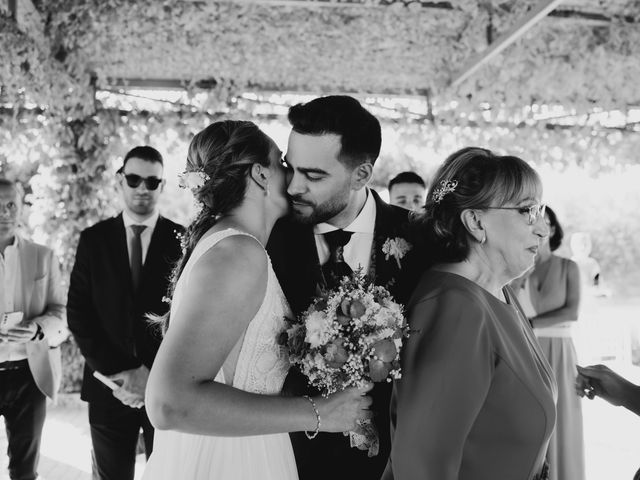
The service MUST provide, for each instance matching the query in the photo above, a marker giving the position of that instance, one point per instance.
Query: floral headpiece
(193, 179)
(446, 186)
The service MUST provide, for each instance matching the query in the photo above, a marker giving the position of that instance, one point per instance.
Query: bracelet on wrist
(313, 435)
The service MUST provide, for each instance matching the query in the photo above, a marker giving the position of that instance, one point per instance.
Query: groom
(336, 219)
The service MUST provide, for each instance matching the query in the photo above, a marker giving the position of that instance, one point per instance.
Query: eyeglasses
(134, 181)
(534, 212)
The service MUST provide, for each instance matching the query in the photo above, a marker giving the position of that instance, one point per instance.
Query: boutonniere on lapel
(397, 248)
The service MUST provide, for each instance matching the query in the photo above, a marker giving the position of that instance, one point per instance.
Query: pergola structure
(581, 54)
(535, 77)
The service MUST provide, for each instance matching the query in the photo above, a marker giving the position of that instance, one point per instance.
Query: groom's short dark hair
(359, 130)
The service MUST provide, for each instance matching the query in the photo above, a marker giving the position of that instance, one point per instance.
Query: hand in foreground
(341, 411)
(603, 382)
(132, 386)
(21, 333)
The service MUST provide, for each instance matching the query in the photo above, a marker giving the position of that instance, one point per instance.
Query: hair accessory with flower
(193, 179)
(446, 186)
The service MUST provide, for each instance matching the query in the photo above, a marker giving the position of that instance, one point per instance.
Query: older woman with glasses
(477, 398)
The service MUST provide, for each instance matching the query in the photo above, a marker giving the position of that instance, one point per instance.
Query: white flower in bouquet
(318, 329)
(386, 317)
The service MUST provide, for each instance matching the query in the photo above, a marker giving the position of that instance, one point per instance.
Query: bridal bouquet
(347, 338)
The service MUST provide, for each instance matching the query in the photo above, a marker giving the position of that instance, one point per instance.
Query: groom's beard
(311, 214)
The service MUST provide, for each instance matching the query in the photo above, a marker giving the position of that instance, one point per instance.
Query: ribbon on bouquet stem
(365, 437)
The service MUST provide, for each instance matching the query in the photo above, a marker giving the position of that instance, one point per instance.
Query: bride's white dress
(260, 368)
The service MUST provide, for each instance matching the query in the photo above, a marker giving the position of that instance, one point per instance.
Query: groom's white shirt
(357, 253)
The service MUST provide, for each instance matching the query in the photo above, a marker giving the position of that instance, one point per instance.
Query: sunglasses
(134, 181)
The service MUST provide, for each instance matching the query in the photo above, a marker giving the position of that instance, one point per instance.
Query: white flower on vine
(396, 248)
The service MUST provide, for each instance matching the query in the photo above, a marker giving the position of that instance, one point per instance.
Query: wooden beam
(159, 83)
(147, 83)
(336, 4)
(537, 13)
(590, 18)
(115, 83)
(630, 127)
(569, 13)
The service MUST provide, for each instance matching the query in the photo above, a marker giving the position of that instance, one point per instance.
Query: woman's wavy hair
(225, 151)
(484, 179)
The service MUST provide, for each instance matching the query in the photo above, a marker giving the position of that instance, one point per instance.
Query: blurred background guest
(32, 326)
(407, 190)
(477, 398)
(550, 295)
(589, 266)
(590, 272)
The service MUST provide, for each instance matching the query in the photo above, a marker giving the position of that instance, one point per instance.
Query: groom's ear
(361, 175)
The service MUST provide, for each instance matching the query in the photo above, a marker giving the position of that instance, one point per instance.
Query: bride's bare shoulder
(236, 258)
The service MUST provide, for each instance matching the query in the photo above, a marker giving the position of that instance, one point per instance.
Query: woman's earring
(483, 239)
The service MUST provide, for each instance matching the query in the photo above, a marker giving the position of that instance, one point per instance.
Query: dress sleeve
(447, 369)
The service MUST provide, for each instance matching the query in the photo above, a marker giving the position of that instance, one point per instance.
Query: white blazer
(43, 302)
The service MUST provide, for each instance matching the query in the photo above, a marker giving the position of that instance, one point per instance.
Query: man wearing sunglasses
(121, 275)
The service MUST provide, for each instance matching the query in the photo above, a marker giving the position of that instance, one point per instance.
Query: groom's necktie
(136, 255)
(336, 267)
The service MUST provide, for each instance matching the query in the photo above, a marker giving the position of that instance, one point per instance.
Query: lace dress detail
(261, 367)
(263, 364)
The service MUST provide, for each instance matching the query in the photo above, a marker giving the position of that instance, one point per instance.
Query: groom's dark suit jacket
(293, 252)
(108, 322)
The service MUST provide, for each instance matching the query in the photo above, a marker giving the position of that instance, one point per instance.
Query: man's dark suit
(293, 252)
(110, 326)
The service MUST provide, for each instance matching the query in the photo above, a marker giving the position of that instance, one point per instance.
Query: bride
(213, 391)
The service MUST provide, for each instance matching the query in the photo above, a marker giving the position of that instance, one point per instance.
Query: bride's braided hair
(225, 151)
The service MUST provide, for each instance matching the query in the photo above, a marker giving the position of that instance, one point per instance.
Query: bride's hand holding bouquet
(342, 411)
(349, 337)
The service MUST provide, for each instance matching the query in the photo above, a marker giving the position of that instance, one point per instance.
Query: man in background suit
(407, 190)
(121, 274)
(31, 293)
(337, 219)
